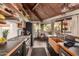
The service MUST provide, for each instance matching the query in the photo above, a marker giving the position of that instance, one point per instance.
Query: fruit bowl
(3, 41)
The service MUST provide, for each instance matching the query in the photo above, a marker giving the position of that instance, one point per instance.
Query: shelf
(2, 22)
(7, 14)
(15, 7)
(4, 25)
(2, 11)
(19, 25)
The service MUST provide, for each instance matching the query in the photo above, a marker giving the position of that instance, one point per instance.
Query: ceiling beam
(16, 9)
(36, 14)
(35, 6)
(33, 12)
(2, 11)
(68, 14)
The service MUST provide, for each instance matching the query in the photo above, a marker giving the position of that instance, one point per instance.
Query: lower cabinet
(64, 53)
(21, 51)
(51, 50)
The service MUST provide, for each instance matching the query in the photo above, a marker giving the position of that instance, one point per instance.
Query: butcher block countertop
(57, 44)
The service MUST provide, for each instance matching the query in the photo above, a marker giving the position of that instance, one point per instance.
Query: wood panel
(31, 14)
(2, 22)
(48, 10)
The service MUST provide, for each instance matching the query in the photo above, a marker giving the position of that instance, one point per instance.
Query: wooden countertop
(11, 46)
(54, 45)
(73, 51)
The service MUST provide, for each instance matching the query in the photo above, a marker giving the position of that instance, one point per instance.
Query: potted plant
(5, 33)
(3, 40)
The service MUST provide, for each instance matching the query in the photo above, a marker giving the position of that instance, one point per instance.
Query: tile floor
(38, 44)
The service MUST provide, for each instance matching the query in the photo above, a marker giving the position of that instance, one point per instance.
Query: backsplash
(12, 30)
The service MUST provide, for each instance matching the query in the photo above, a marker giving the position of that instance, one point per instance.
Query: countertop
(74, 51)
(10, 45)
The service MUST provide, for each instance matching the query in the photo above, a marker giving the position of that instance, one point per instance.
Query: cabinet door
(24, 49)
(63, 53)
(21, 51)
(51, 51)
(18, 52)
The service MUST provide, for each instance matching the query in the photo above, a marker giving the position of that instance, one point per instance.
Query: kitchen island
(56, 47)
(14, 47)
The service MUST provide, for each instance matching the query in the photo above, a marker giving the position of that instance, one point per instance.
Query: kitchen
(39, 29)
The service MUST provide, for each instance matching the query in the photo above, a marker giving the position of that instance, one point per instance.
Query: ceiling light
(65, 9)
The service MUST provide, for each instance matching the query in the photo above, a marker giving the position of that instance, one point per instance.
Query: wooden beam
(14, 7)
(36, 14)
(30, 11)
(2, 11)
(2, 22)
(35, 6)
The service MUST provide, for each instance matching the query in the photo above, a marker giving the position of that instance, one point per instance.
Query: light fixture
(2, 17)
(65, 8)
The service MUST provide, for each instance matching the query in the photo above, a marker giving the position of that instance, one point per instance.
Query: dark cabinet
(63, 52)
(24, 49)
(51, 50)
(21, 51)
(18, 52)
(28, 31)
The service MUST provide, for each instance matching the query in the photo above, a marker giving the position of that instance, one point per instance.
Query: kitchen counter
(73, 51)
(11, 45)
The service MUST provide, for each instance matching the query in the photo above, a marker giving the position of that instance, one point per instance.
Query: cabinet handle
(18, 51)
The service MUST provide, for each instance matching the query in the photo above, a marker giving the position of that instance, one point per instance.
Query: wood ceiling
(38, 11)
(42, 11)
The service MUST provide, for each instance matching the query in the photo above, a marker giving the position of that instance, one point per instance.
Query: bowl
(3, 43)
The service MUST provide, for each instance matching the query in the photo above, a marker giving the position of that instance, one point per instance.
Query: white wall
(0, 32)
(12, 30)
(78, 26)
(75, 25)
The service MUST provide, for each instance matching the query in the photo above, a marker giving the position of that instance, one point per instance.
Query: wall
(75, 25)
(0, 32)
(74, 22)
(12, 29)
(78, 26)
